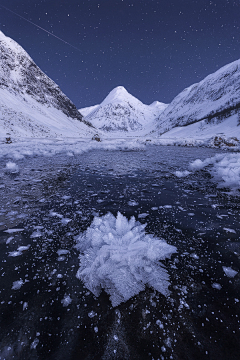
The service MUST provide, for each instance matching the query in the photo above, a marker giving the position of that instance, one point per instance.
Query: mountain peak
(118, 94)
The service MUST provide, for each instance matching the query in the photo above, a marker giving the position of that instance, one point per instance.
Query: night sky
(153, 48)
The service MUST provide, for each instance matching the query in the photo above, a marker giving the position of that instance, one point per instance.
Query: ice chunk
(229, 271)
(143, 215)
(11, 168)
(118, 256)
(181, 174)
(132, 203)
(17, 284)
(66, 300)
(62, 252)
(19, 251)
(12, 231)
(216, 286)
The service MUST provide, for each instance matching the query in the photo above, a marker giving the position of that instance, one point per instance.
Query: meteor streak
(48, 32)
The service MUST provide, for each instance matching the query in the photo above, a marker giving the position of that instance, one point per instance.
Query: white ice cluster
(225, 168)
(11, 168)
(118, 256)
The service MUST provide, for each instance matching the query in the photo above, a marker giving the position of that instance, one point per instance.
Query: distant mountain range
(206, 104)
(31, 104)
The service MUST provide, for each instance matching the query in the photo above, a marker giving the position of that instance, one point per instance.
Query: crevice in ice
(118, 256)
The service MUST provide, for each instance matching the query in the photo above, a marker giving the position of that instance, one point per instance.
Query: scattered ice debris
(154, 208)
(62, 252)
(216, 286)
(9, 239)
(95, 329)
(11, 168)
(224, 168)
(36, 234)
(191, 214)
(66, 197)
(55, 214)
(160, 324)
(17, 284)
(12, 231)
(34, 344)
(194, 256)
(229, 271)
(19, 251)
(133, 203)
(91, 314)
(66, 300)
(181, 174)
(143, 215)
(118, 256)
(229, 230)
(65, 221)
(25, 305)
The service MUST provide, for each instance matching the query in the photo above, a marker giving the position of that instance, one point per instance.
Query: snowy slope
(215, 98)
(204, 131)
(31, 104)
(87, 110)
(120, 111)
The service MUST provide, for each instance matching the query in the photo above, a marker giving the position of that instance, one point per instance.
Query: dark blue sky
(153, 48)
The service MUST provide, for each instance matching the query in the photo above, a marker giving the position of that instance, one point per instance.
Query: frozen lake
(47, 312)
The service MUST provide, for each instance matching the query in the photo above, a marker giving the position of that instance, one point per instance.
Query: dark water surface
(47, 313)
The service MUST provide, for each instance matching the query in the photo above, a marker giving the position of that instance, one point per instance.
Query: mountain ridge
(28, 93)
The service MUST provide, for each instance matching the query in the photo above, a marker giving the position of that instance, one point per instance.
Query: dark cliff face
(19, 74)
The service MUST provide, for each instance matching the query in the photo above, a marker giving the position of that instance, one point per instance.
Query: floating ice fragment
(12, 231)
(19, 251)
(17, 284)
(34, 344)
(62, 252)
(181, 174)
(65, 221)
(132, 203)
(217, 286)
(66, 300)
(118, 256)
(11, 168)
(91, 314)
(143, 215)
(229, 271)
(229, 230)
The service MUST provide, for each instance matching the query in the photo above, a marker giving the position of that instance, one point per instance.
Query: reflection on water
(47, 313)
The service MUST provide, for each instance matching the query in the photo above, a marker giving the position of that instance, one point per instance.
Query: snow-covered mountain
(212, 100)
(120, 111)
(31, 104)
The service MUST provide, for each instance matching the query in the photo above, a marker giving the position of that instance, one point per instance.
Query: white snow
(118, 256)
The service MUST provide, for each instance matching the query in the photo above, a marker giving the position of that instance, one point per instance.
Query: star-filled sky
(153, 48)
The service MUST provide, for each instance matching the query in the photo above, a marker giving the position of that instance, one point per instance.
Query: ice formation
(118, 256)
(11, 168)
